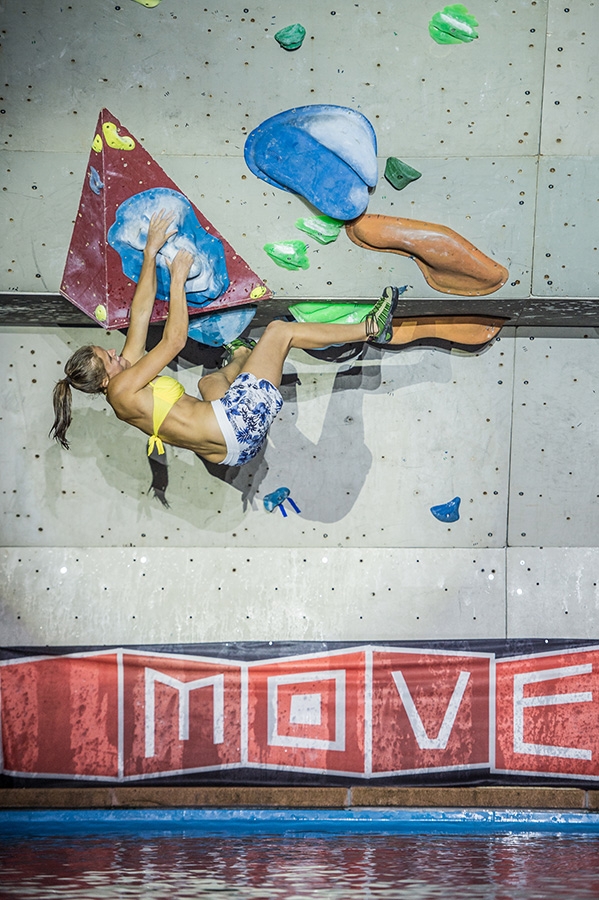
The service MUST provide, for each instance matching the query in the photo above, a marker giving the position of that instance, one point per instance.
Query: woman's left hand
(180, 266)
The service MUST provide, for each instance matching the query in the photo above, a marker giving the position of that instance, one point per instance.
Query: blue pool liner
(234, 822)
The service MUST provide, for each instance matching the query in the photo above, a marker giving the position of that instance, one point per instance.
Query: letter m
(184, 689)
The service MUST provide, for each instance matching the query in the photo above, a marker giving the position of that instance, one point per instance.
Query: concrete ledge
(490, 797)
(297, 797)
(169, 797)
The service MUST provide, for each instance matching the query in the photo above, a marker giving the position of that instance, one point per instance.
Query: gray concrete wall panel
(554, 484)
(570, 102)
(185, 595)
(566, 237)
(552, 592)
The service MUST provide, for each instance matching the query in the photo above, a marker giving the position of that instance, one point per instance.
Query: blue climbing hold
(220, 328)
(447, 512)
(95, 182)
(274, 499)
(324, 153)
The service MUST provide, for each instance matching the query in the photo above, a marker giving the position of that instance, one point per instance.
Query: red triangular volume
(93, 279)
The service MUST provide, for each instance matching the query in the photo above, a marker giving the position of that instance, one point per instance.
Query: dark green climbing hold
(291, 37)
(289, 254)
(399, 173)
(323, 229)
(453, 25)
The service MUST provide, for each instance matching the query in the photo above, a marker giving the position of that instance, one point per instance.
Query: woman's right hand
(158, 232)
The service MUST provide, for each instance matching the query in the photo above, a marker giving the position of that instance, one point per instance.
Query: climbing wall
(502, 130)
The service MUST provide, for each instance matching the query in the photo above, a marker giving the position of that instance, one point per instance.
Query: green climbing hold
(289, 254)
(291, 37)
(453, 25)
(321, 228)
(345, 313)
(399, 173)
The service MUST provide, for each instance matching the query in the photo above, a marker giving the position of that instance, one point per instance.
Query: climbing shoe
(379, 323)
(230, 348)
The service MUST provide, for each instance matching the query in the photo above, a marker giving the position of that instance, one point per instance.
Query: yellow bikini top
(167, 391)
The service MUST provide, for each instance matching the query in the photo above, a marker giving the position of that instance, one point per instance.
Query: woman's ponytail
(84, 371)
(62, 399)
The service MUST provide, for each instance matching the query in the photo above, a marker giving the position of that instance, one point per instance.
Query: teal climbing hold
(323, 229)
(400, 174)
(453, 25)
(291, 37)
(289, 254)
(447, 512)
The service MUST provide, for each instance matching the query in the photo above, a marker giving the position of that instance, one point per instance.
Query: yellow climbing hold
(97, 143)
(100, 313)
(114, 139)
(259, 291)
(149, 3)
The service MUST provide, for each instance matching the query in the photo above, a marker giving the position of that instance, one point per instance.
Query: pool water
(181, 865)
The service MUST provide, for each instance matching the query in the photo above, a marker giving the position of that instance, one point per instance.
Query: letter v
(422, 738)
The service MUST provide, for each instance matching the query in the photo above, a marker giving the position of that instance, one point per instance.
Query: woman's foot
(379, 323)
(233, 346)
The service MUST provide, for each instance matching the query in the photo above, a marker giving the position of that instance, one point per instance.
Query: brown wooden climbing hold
(449, 262)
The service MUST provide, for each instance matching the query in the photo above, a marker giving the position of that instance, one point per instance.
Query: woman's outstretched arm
(173, 339)
(145, 292)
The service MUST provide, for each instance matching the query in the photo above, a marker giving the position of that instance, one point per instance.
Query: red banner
(368, 712)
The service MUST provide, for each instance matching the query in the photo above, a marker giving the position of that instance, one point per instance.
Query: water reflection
(414, 867)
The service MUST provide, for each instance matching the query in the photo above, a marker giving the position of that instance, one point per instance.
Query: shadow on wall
(333, 468)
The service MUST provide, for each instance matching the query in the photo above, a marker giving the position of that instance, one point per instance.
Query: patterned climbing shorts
(244, 416)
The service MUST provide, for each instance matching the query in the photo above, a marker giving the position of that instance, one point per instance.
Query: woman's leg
(216, 384)
(268, 356)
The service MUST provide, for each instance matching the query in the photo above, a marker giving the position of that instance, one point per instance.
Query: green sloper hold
(289, 254)
(347, 313)
(291, 37)
(321, 228)
(453, 25)
(399, 173)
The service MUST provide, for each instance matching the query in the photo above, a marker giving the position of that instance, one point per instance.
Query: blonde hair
(85, 372)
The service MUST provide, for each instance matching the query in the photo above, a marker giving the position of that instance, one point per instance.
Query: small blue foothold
(271, 501)
(95, 182)
(447, 512)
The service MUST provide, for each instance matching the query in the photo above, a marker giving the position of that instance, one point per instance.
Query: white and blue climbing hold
(208, 277)
(220, 328)
(447, 512)
(324, 153)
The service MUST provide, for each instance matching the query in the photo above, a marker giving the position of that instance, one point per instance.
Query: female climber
(240, 400)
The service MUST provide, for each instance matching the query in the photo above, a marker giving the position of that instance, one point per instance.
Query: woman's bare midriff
(189, 424)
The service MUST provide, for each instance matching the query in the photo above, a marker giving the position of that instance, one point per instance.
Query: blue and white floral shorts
(244, 416)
